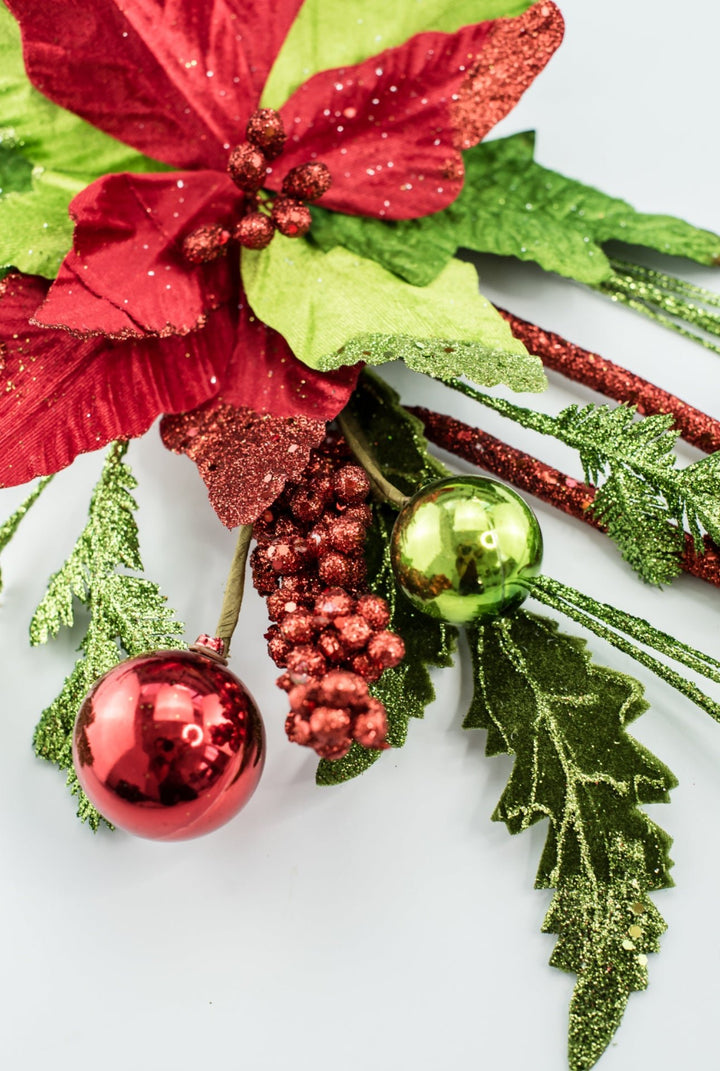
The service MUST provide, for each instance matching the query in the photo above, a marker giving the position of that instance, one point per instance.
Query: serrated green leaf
(64, 153)
(338, 35)
(128, 615)
(564, 719)
(512, 206)
(336, 308)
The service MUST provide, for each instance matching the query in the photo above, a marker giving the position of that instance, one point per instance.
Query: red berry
(334, 569)
(247, 167)
(353, 630)
(342, 689)
(329, 644)
(307, 505)
(266, 130)
(375, 610)
(206, 244)
(255, 231)
(346, 535)
(307, 182)
(292, 218)
(298, 627)
(297, 729)
(351, 484)
(306, 661)
(386, 649)
(334, 602)
(365, 668)
(370, 727)
(284, 558)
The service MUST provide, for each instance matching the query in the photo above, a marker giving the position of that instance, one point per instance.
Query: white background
(387, 923)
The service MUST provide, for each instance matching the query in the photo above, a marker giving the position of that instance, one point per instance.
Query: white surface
(387, 923)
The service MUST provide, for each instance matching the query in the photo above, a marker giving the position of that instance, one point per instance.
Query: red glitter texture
(292, 218)
(543, 481)
(266, 130)
(247, 167)
(244, 458)
(307, 182)
(616, 382)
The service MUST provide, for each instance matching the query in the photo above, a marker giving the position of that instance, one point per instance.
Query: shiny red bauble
(169, 745)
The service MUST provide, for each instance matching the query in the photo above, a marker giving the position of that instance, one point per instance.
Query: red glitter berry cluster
(248, 167)
(329, 634)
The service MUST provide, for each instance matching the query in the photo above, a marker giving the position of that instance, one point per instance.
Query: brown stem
(355, 438)
(234, 587)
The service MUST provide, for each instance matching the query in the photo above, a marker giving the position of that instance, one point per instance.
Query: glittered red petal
(264, 374)
(176, 79)
(389, 129)
(63, 397)
(244, 457)
(126, 275)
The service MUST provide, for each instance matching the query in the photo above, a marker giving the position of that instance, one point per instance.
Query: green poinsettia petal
(61, 152)
(325, 35)
(337, 308)
(512, 206)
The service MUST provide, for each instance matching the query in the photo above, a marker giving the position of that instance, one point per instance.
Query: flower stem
(355, 438)
(234, 587)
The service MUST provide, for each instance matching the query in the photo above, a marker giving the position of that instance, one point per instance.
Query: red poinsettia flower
(130, 328)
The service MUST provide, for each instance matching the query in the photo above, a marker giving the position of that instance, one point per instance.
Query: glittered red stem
(616, 382)
(543, 481)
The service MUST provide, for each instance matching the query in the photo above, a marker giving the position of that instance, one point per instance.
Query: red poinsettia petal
(244, 457)
(176, 79)
(126, 275)
(389, 129)
(263, 374)
(63, 397)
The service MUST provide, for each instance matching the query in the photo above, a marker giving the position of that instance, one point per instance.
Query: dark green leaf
(512, 206)
(541, 699)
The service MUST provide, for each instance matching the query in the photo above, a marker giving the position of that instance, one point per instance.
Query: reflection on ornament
(169, 745)
(465, 548)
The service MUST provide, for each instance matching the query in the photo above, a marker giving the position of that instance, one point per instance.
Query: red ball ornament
(292, 218)
(169, 745)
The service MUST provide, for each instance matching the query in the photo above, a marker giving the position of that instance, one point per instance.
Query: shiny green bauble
(465, 548)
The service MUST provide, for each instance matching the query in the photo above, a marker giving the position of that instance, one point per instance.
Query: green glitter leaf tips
(400, 450)
(643, 498)
(541, 699)
(127, 614)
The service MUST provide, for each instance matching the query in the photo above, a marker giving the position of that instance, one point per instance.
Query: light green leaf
(65, 153)
(15, 170)
(326, 35)
(512, 206)
(336, 308)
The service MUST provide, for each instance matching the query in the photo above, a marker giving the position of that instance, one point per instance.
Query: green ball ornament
(466, 547)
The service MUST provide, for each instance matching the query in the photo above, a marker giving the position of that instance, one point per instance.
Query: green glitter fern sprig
(127, 614)
(643, 498)
(541, 699)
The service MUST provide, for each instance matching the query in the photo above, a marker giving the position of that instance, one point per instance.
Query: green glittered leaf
(541, 699)
(62, 153)
(643, 498)
(512, 206)
(338, 35)
(127, 614)
(336, 309)
(11, 525)
(400, 451)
